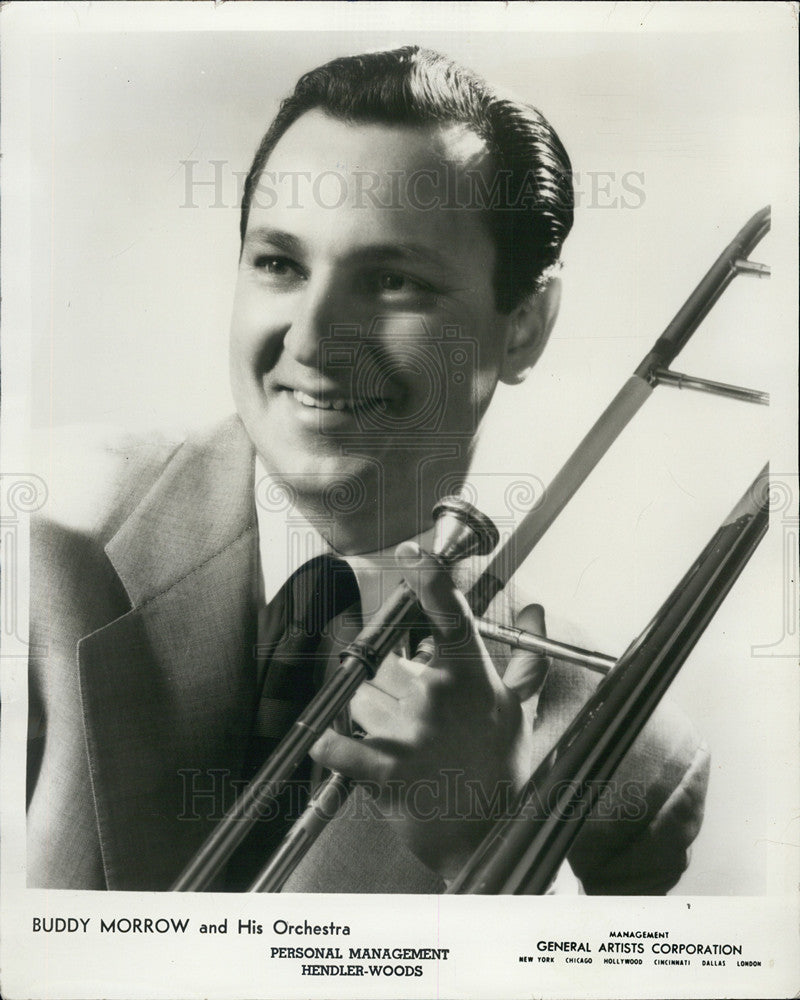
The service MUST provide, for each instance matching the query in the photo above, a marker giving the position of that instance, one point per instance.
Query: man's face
(365, 342)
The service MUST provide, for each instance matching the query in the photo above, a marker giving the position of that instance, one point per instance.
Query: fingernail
(409, 554)
(426, 651)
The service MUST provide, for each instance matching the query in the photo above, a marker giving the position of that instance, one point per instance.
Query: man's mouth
(339, 403)
(331, 403)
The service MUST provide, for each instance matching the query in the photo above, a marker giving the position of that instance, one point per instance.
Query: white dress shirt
(287, 540)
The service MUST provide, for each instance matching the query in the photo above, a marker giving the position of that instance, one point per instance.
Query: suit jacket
(142, 688)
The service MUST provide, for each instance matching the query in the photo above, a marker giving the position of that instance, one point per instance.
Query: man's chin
(333, 485)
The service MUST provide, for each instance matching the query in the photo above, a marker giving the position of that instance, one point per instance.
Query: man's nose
(317, 309)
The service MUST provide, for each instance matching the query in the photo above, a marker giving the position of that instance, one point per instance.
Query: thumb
(526, 671)
(444, 605)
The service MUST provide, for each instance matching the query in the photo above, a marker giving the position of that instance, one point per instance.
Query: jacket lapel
(166, 688)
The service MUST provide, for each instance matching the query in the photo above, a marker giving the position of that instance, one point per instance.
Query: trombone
(524, 851)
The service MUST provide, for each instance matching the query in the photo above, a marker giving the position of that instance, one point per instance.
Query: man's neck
(361, 532)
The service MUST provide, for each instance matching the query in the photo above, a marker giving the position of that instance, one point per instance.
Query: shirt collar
(287, 540)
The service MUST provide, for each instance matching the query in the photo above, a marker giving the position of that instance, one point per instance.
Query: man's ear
(530, 326)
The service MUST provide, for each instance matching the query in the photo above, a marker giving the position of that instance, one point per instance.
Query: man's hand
(449, 744)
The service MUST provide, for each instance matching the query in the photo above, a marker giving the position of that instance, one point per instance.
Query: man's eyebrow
(276, 239)
(401, 250)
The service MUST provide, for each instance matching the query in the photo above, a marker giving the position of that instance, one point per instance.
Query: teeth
(320, 404)
(331, 404)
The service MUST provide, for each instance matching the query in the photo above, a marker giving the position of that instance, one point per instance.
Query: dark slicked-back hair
(530, 213)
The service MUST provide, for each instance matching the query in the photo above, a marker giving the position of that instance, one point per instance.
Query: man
(401, 226)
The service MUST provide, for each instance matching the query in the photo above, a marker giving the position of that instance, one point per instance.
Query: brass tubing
(519, 639)
(665, 376)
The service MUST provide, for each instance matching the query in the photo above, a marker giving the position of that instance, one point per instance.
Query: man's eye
(395, 282)
(391, 281)
(278, 267)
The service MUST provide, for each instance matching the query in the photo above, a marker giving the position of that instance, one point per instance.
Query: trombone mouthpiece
(461, 530)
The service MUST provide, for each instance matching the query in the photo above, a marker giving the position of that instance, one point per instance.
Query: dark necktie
(291, 672)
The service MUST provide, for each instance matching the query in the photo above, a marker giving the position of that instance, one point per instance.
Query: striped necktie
(291, 671)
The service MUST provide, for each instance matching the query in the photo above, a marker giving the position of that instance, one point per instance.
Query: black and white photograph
(400, 500)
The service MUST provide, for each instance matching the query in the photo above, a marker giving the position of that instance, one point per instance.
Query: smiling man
(404, 281)
(401, 227)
